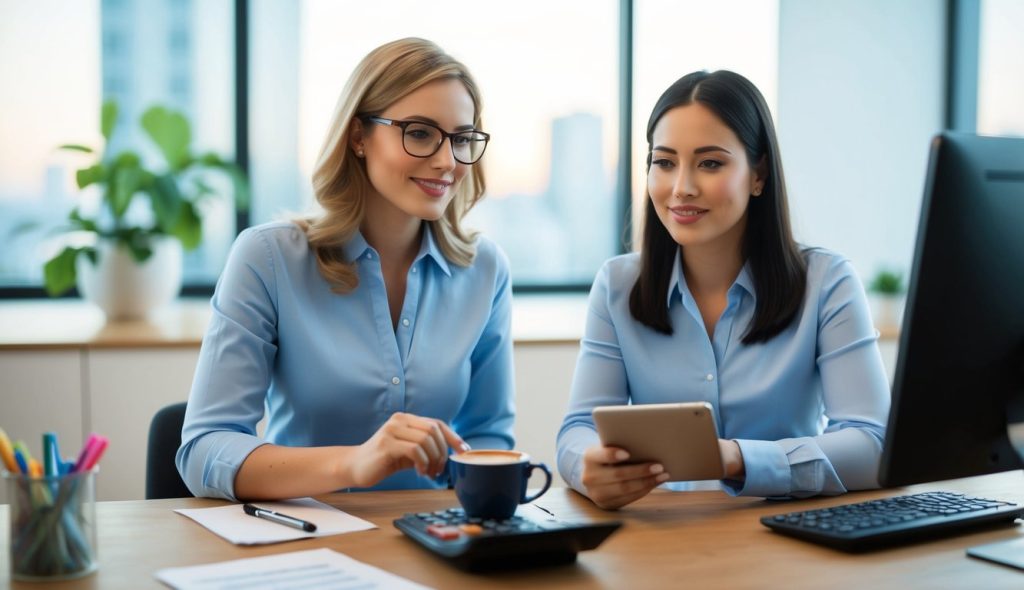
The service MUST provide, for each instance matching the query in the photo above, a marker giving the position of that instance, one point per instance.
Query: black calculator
(525, 540)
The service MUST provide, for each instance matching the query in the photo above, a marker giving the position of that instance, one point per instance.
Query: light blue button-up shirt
(330, 369)
(808, 408)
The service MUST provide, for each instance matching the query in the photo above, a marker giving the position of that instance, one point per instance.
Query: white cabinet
(115, 391)
(125, 387)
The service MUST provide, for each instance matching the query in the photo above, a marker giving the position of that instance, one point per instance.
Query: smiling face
(404, 185)
(699, 179)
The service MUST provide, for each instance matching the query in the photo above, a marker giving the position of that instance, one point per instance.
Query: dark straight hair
(778, 268)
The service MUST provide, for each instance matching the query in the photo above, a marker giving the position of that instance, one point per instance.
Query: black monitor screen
(961, 357)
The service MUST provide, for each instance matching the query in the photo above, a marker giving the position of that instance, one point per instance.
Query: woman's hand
(732, 459)
(404, 441)
(610, 484)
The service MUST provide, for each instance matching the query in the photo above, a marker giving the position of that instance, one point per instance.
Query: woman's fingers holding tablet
(611, 483)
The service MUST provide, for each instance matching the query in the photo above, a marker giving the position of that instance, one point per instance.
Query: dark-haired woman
(722, 306)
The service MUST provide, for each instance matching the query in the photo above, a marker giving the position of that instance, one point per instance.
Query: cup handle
(547, 481)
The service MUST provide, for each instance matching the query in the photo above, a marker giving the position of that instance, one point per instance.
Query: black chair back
(162, 478)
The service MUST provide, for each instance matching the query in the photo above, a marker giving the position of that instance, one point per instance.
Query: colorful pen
(51, 456)
(95, 451)
(7, 453)
(84, 453)
(22, 463)
(35, 468)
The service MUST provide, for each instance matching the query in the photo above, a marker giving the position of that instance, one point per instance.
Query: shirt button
(395, 380)
(414, 269)
(405, 322)
(369, 255)
(710, 377)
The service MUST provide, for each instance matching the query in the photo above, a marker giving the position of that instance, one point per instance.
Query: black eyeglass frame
(402, 124)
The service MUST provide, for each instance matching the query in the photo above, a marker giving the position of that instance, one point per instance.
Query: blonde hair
(340, 182)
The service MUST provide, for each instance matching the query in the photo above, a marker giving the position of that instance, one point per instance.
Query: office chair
(162, 478)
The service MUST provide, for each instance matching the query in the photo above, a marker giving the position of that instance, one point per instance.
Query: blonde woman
(375, 334)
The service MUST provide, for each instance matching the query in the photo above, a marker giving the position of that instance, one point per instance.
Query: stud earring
(360, 153)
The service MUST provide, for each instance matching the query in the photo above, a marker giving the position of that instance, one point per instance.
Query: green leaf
(125, 184)
(74, 147)
(140, 248)
(59, 272)
(93, 174)
(887, 283)
(167, 201)
(211, 159)
(80, 222)
(189, 228)
(108, 118)
(127, 158)
(238, 178)
(171, 133)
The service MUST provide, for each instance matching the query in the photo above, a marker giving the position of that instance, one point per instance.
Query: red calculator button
(443, 532)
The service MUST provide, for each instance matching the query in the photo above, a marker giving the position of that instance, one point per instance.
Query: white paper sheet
(232, 523)
(310, 570)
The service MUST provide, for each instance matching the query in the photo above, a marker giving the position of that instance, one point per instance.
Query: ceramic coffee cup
(492, 484)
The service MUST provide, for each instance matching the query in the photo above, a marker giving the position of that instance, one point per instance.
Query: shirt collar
(677, 283)
(428, 247)
(357, 246)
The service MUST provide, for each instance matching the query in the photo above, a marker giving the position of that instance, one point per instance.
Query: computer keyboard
(888, 521)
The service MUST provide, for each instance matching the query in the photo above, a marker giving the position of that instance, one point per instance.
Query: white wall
(860, 95)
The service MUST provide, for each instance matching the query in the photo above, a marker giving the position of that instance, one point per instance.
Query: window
(58, 61)
(676, 37)
(50, 72)
(551, 89)
(1000, 84)
(550, 94)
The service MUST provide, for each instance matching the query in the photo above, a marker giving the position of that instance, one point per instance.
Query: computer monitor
(959, 383)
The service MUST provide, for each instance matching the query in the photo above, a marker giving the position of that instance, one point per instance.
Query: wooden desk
(697, 539)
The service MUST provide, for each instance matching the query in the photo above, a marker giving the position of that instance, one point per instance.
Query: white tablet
(682, 437)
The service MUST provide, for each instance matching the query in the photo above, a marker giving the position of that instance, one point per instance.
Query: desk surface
(698, 539)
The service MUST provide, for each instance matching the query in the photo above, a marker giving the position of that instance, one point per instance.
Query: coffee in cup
(492, 483)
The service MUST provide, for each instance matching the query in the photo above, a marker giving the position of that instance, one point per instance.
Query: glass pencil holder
(53, 525)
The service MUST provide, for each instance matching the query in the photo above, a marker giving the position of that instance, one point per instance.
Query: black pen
(279, 518)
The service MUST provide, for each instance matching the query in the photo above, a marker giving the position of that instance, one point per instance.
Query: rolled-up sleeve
(856, 404)
(233, 373)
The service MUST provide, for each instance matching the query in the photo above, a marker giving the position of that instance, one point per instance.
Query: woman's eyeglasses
(422, 140)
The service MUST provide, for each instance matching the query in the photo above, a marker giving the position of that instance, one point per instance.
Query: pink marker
(80, 462)
(95, 452)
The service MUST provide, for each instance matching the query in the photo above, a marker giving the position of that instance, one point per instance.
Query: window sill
(71, 323)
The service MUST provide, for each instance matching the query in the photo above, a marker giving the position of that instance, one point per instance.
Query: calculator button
(445, 533)
(471, 529)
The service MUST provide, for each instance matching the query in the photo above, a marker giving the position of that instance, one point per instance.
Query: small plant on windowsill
(888, 289)
(130, 267)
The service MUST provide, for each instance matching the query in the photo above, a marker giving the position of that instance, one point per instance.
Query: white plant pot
(887, 311)
(126, 289)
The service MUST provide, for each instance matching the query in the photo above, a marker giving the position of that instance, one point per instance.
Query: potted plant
(887, 288)
(133, 263)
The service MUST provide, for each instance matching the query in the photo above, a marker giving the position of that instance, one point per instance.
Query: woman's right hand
(610, 484)
(404, 441)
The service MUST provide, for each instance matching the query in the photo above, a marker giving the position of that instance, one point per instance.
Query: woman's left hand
(732, 459)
